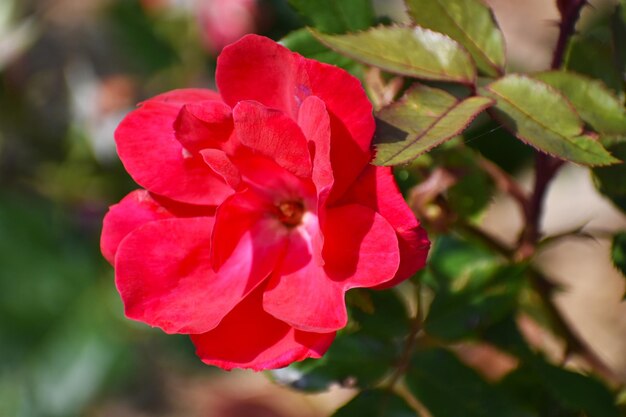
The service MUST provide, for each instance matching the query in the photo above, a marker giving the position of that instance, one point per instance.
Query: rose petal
(344, 98)
(314, 121)
(156, 160)
(377, 189)
(257, 68)
(360, 250)
(271, 133)
(205, 124)
(165, 278)
(250, 338)
(360, 247)
(301, 294)
(234, 218)
(222, 165)
(136, 209)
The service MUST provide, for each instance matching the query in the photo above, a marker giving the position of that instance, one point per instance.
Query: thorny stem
(545, 169)
(570, 12)
(575, 344)
(546, 166)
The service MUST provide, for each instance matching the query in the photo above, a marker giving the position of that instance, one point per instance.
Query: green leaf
(540, 116)
(362, 353)
(429, 116)
(468, 22)
(611, 180)
(453, 260)
(618, 252)
(474, 188)
(598, 51)
(376, 403)
(411, 51)
(486, 298)
(576, 391)
(447, 387)
(333, 16)
(593, 101)
(304, 43)
(498, 145)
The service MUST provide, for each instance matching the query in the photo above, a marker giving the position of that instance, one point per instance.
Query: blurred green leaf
(474, 188)
(469, 22)
(56, 318)
(144, 47)
(304, 43)
(618, 252)
(376, 403)
(599, 50)
(593, 101)
(486, 298)
(554, 391)
(576, 391)
(362, 353)
(497, 144)
(447, 387)
(543, 118)
(453, 260)
(411, 51)
(331, 16)
(429, 116)
(611, 180)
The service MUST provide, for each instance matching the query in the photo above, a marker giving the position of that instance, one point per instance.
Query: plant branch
(504, 182)
(575, 344)
(545, 169)
(411, 340)
(570, 12)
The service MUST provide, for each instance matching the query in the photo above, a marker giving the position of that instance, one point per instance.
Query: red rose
(261, 209)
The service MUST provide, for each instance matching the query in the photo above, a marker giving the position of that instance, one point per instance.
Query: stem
(411, 340)
(504, 182)
(575, 344)
(545, 169)
(570, 12)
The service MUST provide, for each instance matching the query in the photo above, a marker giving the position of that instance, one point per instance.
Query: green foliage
(473, 189)
(468, 22)
(551, 390)
(410, 51)
(473, 289)
(56, 316)
(599, 50)
(618, 252)
(543, 118)
(332, 16)
(593, 101)
(610, 180)
(447, 387)
(465, 309)
(376, 403)
(428, 116)
(143, 46)
(362, 353)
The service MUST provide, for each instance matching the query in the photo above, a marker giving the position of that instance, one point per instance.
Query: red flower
(261, 209)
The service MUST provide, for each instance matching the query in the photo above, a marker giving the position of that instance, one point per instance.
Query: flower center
(290, 213)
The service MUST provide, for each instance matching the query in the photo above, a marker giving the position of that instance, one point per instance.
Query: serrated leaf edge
(480, 109)
(436, 76)
(568, 139)
(499, 69)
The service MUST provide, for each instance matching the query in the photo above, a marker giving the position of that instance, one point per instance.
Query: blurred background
(69, 71)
